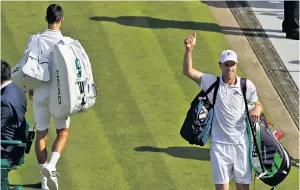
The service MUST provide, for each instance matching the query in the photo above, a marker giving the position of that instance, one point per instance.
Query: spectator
(13, 109)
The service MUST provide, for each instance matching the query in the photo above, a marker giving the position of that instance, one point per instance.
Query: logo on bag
(58, 87)
(79, 71)
(78, 67)
(254, 150)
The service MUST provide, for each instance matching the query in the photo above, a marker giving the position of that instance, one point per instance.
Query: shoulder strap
(66, 40)
(216, 90)
(212, 86)
(244, 90)
(216, 86)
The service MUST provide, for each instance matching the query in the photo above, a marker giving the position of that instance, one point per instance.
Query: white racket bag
(33, 69)
(72, 86)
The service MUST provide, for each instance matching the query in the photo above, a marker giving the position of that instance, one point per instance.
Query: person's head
(228, 64)
(5, 71)
(55, 15)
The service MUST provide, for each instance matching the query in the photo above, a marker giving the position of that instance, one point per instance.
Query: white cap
(228, 55)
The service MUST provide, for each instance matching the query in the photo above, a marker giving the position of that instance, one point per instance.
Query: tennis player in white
(40, 96)
(229, 141)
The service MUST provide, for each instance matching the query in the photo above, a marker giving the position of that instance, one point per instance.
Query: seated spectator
(13, 109)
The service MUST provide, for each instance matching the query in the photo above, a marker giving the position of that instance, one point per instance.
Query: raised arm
(188, 69)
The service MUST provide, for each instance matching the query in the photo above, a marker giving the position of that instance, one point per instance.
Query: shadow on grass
(156, 23)
(32, 186)
(295, 162)
(179, 152)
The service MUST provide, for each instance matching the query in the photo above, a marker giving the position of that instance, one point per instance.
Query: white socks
(44, 179)
(43, 165)
(54, 158)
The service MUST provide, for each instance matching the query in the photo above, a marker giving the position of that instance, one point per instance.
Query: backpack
(197, 125)
(72, 86)
(268, 158)
(32, 70)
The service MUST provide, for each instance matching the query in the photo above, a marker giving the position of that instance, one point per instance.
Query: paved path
(270, 14)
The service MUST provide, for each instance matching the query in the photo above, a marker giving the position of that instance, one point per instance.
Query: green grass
(130, 138)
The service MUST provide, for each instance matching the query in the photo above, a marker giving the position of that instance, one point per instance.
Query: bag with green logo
(269, 160)
(72, 86)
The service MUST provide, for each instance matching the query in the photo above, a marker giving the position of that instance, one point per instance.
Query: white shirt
(229, 126)
(49, 38)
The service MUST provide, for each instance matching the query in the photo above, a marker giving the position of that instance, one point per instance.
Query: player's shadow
(31, 186)
(156, 23)
(295, 162)
(194, 153)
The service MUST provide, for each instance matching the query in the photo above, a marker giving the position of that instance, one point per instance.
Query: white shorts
(41, 110)
(230, 162)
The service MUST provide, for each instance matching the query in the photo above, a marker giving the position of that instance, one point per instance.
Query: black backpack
(196, 128)
(269, 160)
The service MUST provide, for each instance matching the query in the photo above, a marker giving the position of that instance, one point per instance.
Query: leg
(61, 140)
(41, 154)
(222, 165)
(42, 123)
(242, 167)
(40, 146)
(240, 186)
(62, 129)
(222, 186)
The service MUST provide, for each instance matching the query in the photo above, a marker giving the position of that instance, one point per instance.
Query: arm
(188, 69)
(6, 114)
(258, 106)
(257, 110)
(6, 120)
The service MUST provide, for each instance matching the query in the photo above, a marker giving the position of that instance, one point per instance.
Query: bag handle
(216, 86)
(216, 90)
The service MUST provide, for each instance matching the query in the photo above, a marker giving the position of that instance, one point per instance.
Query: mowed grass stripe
(11, 52)
(124, 125)
(90, 161)
(173, 26)
(8, 47)
(146, 82)
(151, 71)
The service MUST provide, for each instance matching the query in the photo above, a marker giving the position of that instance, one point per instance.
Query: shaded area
(179, 152)
(295, 162)
(156, 23)
(295, 62)
(32, 186)
(277, 71)
(277, 5)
